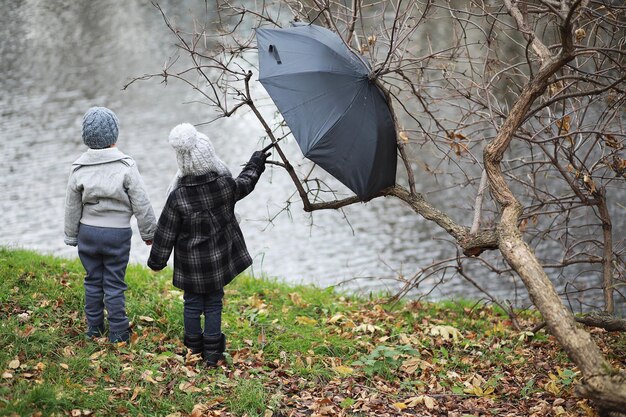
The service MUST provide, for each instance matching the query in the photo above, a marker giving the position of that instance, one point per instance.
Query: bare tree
(521, 98)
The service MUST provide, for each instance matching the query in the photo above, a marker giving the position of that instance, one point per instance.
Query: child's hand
(259, 157)
(148, 242)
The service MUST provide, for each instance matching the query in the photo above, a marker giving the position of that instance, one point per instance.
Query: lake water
(59, 58)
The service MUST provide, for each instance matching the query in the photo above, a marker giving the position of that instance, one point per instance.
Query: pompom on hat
(194, 152)
(100, 128)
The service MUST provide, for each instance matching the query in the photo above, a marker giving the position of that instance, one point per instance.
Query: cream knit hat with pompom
(194, 152)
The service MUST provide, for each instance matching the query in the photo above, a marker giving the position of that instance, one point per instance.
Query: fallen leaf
(367, 328)
(28, 330)
(413, 401)
(429, 402)
(97, 355)
(14, 364)
(343, 370)
(336, 318)
(189, 372)
(446, 333)
(297, 299)
(305, 320)
(7, 375)
(188, 387)
(136, 392)
(589, 411)
(200, 410)
(261, 338)
(411, 365)
(146, 319)
(525, 336)
(552, 386)
(255, 301)
(147, 376)
(400, 406)
(64, 366)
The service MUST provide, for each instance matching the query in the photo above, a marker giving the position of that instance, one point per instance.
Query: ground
(292, 351)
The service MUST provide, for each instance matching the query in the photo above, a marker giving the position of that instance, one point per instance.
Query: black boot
(214, 348)
(194, 343)
(95, 331)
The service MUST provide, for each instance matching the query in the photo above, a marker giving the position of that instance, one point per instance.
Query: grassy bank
(293, 351)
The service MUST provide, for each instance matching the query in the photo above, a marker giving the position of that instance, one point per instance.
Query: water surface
(59, 58)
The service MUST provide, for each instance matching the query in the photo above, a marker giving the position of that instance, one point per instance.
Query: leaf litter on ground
(292, 351)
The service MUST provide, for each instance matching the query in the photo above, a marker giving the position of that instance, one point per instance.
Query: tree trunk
(600, 382)
(607, 259)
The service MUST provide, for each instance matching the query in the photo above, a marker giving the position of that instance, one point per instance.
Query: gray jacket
(105, 189)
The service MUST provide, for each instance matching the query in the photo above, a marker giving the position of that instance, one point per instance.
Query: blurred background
(58, 58)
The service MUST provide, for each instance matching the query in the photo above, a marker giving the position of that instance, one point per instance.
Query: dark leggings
(211, 305)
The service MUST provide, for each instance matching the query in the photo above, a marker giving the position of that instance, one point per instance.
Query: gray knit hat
(100, 128)
(194, 152)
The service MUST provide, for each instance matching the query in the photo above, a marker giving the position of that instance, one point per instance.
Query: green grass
(248, 396)
(291, 349)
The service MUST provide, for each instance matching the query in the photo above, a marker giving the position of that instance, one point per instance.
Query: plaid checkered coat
(198, 222)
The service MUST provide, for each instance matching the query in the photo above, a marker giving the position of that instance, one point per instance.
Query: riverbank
(293, 351)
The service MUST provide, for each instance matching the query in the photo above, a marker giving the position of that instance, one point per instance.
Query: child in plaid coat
(198, 222)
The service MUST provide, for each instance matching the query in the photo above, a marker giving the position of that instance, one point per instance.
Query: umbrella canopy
(339, 117)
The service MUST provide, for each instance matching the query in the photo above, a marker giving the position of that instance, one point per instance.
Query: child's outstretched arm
(164, 237)
(250, 175)
(73, 211)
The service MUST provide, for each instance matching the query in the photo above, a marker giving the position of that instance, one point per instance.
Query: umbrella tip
(296, 22)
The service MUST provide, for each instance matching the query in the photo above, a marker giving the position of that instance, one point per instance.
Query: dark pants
(209, 304)
(104, 254)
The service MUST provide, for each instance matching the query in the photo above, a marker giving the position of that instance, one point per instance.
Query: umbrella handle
(268, 147)
(271, 145)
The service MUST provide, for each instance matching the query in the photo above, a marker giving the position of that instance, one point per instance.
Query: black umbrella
(338, 115)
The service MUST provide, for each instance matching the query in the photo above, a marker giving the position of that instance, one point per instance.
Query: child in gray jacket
(104, 190)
